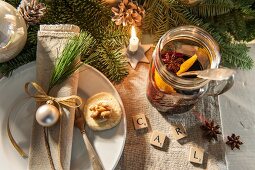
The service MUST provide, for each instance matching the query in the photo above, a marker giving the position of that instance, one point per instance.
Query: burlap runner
(51, 41)
(139, 154)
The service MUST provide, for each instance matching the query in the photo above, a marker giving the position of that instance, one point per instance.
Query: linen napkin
(51, 41)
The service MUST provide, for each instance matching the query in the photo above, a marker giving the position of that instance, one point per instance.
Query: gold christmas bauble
(47, 115)
(13, 32)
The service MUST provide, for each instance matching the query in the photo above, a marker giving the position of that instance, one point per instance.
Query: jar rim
(204, 39)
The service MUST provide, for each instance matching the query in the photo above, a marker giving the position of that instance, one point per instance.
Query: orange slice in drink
(187, 64)
(163, 86)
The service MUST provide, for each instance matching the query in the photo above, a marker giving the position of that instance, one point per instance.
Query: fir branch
(242, 3)
(210, 8)
(14, 3)
(169, 14)
(109, 61)
(32, 34)
(235, 55)
(161, 15)
(93, 17)
(116, 36)
(237, 21)
(155, 14)
(68, 61)
(236, 24)
(90, 15)
(27, 55)
(107, 52)
(248, 11)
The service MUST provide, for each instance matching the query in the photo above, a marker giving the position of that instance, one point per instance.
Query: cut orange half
(163, 86)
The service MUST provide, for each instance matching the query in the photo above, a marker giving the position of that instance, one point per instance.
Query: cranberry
(179, 60)
(166, 58)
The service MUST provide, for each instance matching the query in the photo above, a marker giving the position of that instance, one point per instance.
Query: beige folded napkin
(51, 41)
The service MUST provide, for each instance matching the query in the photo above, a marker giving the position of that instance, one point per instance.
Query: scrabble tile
(157, 139)
(196, 155)
(178, 131)
(139, 121)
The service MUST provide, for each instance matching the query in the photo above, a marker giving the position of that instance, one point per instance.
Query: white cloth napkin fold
(51, 41)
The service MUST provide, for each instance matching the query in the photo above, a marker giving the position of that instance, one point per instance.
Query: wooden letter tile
(157, 139)
(140, 121)
(196, 155)
(178, 131)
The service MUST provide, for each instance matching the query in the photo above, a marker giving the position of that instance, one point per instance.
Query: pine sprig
(27, 55)
(90, 15)
(68, 62)
(242, 3)
(210, 8)
(93, 17)
(106, 54)
(115, 36)
(14, 3)
(109, 61)
(236, 55)
(161, 16)
(225, 20)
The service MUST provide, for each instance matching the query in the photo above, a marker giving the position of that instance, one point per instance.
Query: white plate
(109, 144)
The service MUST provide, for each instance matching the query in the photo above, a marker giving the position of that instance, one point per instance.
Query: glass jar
(170, 93)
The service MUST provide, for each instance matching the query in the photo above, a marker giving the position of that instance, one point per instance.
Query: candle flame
(133, 32)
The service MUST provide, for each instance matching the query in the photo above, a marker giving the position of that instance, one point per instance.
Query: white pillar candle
(133, 41)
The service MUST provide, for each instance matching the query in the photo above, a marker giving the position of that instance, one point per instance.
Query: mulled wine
(173, 60)
(167, 91)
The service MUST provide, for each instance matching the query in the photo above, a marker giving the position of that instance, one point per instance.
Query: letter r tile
(139, 121)
(178, 131)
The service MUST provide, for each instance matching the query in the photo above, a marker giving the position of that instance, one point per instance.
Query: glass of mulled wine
(185, 48)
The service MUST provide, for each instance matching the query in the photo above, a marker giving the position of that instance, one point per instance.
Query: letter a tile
(140, 121)
(196, 155)
(157, 139)
(178, 131)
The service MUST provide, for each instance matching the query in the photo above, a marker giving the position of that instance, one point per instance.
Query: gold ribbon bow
(40, 95)
(72, 101)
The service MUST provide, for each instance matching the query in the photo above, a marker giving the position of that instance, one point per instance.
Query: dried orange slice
(163, 86)
(187, 64)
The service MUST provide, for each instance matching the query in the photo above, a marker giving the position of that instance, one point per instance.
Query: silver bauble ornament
(47, 115)
(13, 32)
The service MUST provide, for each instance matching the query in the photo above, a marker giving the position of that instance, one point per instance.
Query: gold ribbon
(40, 95)
(72, 101)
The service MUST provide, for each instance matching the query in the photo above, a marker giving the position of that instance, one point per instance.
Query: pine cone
(32, 11)
(128, 13)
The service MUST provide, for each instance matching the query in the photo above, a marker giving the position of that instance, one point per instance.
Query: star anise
(211, 130)
(234, 141)
(173, 61)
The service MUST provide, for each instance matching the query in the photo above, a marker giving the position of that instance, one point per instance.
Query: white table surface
(238, 116)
